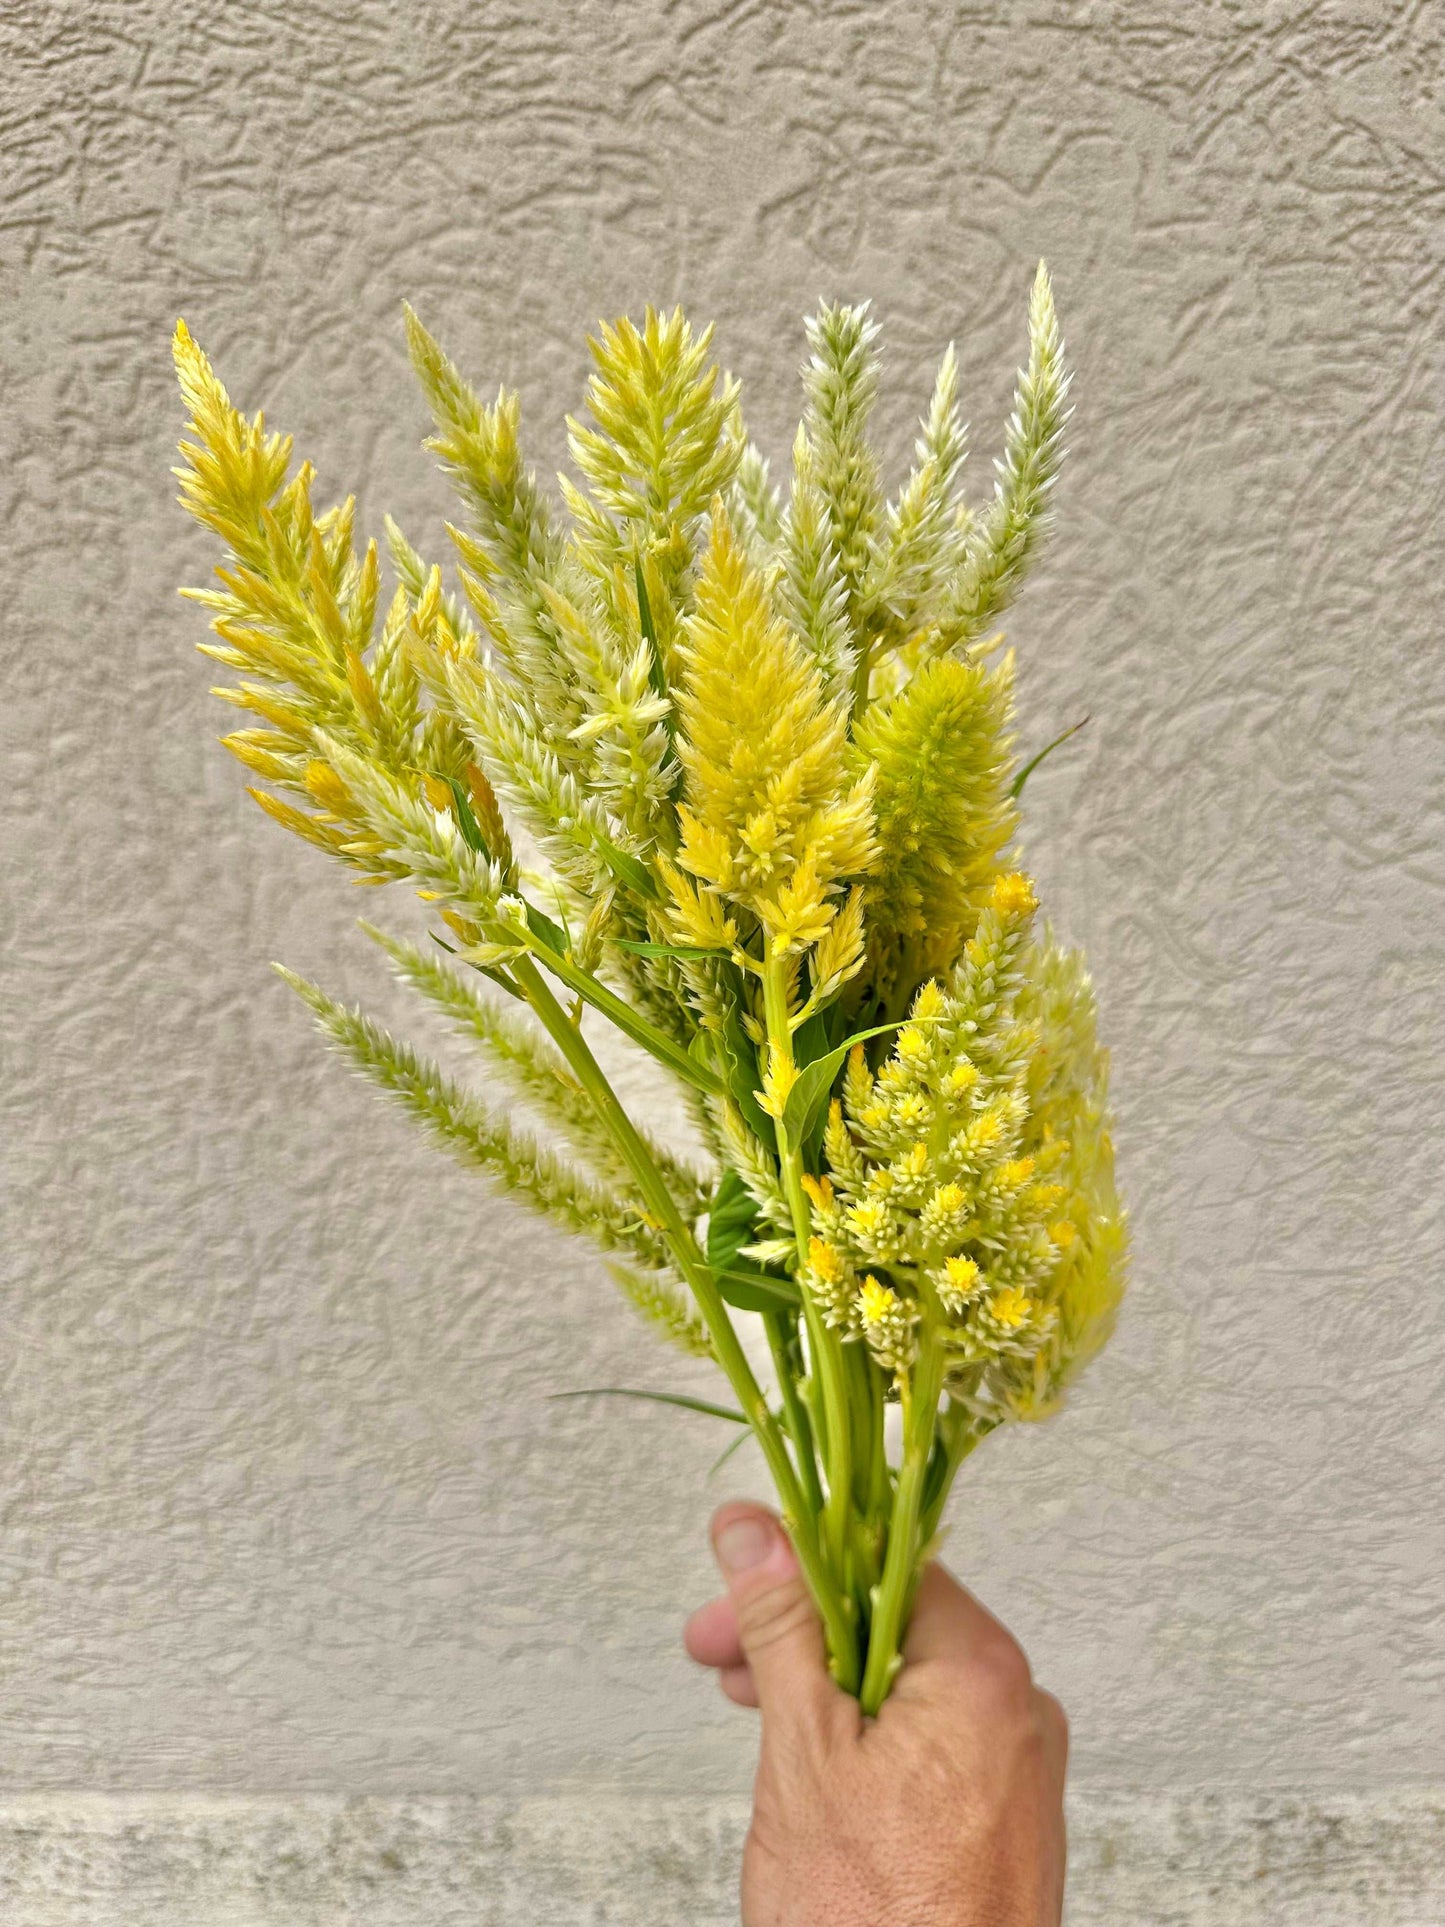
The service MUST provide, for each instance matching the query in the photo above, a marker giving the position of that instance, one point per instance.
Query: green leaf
(655, 673)
(730, 1220)
(739, 1065)
(734, 1445)
(644, 611)
(808, 1099)
(655, 1042)
(758, 1290)
(627, 869)
(731, 1223)
(640, 949)
(467, 822)
(545, 931)
(1016, 786)
(705, 1406)
(811, 1039)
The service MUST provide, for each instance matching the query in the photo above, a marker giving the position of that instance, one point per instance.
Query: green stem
(780, 1329)
(694, 1268)
(824, 1345)
(900, 1563)
(592, 991)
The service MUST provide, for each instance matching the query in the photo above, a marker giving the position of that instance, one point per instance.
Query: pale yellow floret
(928, 1004)
(876, 1302)
(825, 1261)
(869, 1219)
(959, 1078)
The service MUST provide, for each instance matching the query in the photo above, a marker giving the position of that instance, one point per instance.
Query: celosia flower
(763, 760)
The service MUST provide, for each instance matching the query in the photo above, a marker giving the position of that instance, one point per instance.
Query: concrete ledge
(80, 1860)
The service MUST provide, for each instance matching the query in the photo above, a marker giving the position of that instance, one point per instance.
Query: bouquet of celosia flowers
(760, 745)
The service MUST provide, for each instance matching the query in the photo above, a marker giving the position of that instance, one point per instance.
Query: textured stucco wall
(284, 1507)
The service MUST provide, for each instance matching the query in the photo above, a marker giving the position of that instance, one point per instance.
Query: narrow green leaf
(627, 869)
(808, 1099)
(702, 1405)
(1016, 786)
(471, 832)
(735, 1445)
(644, 610)
(656, 676)
(641, 949)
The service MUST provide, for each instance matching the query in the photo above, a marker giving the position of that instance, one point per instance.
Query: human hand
(945, 1811)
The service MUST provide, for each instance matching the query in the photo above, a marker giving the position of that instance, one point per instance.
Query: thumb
(778, 1626)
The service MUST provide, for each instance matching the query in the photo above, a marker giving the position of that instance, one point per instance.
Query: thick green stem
(900, 1562)
(823, 1344)
(660, 1203)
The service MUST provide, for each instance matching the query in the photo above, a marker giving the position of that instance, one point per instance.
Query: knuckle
(770, 1618)
(999, 1677)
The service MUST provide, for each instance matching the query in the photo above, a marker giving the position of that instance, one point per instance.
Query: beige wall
(285, 1506)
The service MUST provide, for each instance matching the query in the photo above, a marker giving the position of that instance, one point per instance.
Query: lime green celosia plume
(757, 745)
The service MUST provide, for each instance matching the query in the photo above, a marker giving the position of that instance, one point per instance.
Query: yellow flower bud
(929, 1001)
(824, 1260)
(1009, 1308)
(1013, 895)
(875, 1301)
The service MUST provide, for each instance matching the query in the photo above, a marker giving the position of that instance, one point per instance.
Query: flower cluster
(948, 1200)
(730, 767)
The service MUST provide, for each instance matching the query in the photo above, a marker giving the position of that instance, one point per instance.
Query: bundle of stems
(758, 743)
